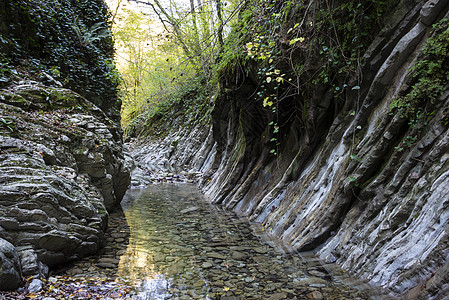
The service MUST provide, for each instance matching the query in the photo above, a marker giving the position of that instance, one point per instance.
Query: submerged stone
(166, 257)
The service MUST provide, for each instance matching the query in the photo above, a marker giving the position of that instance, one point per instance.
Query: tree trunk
(220, 25)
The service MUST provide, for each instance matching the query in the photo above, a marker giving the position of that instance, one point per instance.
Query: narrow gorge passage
(324, 123)
(182, 247)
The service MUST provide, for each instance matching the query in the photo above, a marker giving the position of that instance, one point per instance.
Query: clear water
(181, 247)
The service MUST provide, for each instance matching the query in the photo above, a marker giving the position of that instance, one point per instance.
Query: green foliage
(69, 40)
(290, 49)
(429, 80)
(163, 57)
(152, 66)
(184, 106)
(9, 124)
(294, 48)
(430, 77)
(406, 142)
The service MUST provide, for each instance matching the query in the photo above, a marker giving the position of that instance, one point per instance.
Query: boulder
(10, 273)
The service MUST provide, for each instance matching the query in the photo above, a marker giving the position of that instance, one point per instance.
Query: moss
(65, 99)
(51, 36)
(175, 144)
(15, 99)
(428, 80)
(429, 77)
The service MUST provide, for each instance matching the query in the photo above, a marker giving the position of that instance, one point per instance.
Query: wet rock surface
(61, 169)
(105, 263)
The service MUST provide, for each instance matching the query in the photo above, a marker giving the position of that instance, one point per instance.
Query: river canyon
(349, 202)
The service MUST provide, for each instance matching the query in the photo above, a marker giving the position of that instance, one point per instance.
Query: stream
(182, 247)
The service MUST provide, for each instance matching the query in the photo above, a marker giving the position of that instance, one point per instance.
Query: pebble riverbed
(171, 244)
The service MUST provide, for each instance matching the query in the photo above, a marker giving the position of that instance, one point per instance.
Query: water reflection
(181, 247)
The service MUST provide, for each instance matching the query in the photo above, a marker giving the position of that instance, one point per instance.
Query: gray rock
(277, 296)
(315, 295)
(10, 273)
(30, 263)
(59, 175)
(187, 210)
(310, 281)
(109, 260)
(239, 255)
(106, 265)
(215, 255)
(261, 250)
(342, 185)
(35, 286)
(207, 265)
(431, 10)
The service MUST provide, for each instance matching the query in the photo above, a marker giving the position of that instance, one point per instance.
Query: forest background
(167, 52)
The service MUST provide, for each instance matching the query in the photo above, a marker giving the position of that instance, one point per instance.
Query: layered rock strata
(365, 183)
(61, 170)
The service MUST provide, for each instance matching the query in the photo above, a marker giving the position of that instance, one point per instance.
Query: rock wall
(61, 170)
(188, 153)
(64, 42)
(363, 183)
(376, 201)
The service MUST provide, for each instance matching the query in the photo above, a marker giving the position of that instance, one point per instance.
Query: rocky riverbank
(61, 169)
(93, 277)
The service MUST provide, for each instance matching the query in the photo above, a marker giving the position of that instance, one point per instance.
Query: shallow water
(181, 247)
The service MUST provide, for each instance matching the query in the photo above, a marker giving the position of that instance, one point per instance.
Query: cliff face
(61, 169)
(61, 156)
(365, 180)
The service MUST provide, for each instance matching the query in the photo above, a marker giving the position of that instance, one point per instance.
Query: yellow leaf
(270, 61)
(294, 41)
(249, 45)
(280, 79)
(268, 79)
(225, 289)
(32, 295)
(277, 72)
(265, 101)
(296, 25)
